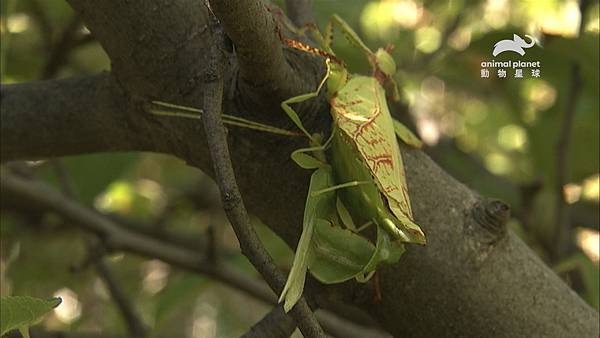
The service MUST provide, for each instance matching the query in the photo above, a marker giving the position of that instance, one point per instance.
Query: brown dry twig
(233, 204)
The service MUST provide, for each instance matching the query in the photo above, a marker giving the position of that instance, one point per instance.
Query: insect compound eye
(337, 79)
(385, 62)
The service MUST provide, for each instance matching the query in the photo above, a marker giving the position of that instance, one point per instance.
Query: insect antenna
(313, 50)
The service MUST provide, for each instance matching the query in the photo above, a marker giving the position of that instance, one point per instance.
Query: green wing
(362, 114)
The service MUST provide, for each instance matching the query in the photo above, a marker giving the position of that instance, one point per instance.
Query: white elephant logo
(517, 45)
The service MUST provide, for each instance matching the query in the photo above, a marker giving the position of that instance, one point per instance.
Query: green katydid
(365, 165)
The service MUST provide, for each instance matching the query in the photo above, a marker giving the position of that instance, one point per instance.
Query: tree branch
(87, 114)
(81, 115)
(275, 324)
(156, 48)
(263, 67)
(233, 203)
(134, 324)
(300, 12)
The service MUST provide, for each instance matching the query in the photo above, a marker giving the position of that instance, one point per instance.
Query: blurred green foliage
(508, 127)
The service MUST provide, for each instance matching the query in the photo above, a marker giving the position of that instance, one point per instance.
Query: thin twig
(96, 253)
(233, 204)
(60, 50)
(185, 239)
(562, 226)
(345, 328)
(134, 324)
(66, 184)
(300, 12)
(275, 324)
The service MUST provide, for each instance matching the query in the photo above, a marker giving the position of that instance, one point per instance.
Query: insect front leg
(340, 186)
(317, 210)
(350, 34)
(306, 161)
(294, 286)
(293, 115)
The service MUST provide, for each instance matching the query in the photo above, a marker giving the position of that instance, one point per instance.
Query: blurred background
(503, 137)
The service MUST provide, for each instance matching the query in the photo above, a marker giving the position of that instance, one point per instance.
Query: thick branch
(300, 12)
(86, 114)
(254, 31)
(83, 115)
(155, 47)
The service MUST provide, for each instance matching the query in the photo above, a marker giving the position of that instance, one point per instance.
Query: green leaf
(18, 312)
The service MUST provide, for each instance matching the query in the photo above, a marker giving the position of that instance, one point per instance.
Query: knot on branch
(230, 200)
(212, 74)
(492, 215)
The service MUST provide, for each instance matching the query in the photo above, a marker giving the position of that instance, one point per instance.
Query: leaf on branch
(20, 312)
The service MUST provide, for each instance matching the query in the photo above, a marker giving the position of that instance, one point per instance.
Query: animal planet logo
(516, 45)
